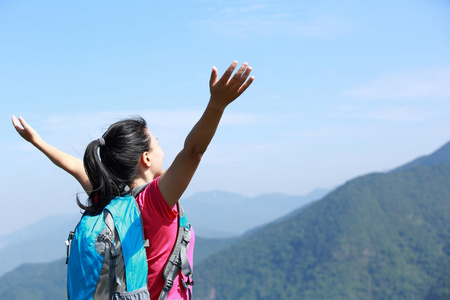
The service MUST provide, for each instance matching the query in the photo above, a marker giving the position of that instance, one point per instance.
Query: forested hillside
(380, 236)
(43, 241)
(46, 281)
(440, 156)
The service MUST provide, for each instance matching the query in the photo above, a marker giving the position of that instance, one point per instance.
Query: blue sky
(342, 89)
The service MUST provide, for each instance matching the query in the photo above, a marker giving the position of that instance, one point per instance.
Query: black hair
(117, 166)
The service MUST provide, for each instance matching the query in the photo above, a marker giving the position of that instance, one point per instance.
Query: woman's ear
(145, 159)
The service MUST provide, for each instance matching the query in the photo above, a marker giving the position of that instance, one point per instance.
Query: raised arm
(175, 180)
(68, 163)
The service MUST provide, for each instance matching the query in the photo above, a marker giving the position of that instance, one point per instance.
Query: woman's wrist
(38, 142)
(215, 104)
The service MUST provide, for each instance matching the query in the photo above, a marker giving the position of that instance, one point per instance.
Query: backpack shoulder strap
(178, 258)
(117, 274)
(134, 192)
(128, 223)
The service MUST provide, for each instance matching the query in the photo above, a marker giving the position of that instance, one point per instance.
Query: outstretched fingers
(245, 73)
(24, 123)
(229, 86)
(240, 78)
(246, 84)
(237, 78)
(20, 127)
(16, 124)
(226, 76)
(213, 78)
(26, 131)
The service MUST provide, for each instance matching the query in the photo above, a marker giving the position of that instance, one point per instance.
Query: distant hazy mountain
(41, 242)
(379, 236)
(222, 214)
(205, 247)
(47, 281)
(214, 215)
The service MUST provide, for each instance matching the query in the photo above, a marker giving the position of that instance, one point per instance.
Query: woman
(131, 156)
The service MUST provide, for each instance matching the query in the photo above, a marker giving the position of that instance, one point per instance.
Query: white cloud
(267, 18)
(245, 9)
(400, 114)
(388, 112)
(422, 84)
(73, 131)
(160, 118)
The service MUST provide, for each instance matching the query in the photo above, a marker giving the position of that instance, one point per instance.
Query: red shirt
(160, 228)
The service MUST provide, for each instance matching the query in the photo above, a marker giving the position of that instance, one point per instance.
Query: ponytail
(111, 162)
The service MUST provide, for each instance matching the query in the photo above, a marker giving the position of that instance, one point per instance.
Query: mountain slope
(380, 236)
(214, 215)
(440, 156)
(47, 281)
(35, 281)
(41, 242)
(222, 214)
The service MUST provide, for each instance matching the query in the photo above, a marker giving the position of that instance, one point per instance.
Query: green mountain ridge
(379, 236)
(43, 241)
(223, 214)
(47, 281)
(440, 156)
(35, 281)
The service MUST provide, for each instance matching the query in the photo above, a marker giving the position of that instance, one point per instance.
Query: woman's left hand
(227, 88)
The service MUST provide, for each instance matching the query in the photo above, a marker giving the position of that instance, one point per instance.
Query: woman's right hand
(25, 130)
(67, 162)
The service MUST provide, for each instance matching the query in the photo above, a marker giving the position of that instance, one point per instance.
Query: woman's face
(156, 155)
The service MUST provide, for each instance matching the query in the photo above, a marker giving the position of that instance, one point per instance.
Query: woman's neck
(139, 181)
(143, 179)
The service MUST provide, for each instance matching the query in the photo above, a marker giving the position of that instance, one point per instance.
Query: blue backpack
(116, 238)
(107, 255)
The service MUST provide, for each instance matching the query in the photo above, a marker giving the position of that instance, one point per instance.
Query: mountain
(44, 281)
(221, 214)
(205, 247)
(440, 156)
(43, 241)
(379, 236)
(47, 281)
(214, 215)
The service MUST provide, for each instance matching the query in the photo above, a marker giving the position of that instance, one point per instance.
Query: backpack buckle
(69, 245)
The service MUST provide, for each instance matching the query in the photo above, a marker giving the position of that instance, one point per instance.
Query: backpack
(107, 258)
(115, 238)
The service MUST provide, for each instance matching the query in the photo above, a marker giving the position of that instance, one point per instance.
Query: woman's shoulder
(152, 201)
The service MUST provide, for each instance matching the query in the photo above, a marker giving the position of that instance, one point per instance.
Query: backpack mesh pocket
(140, 294)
